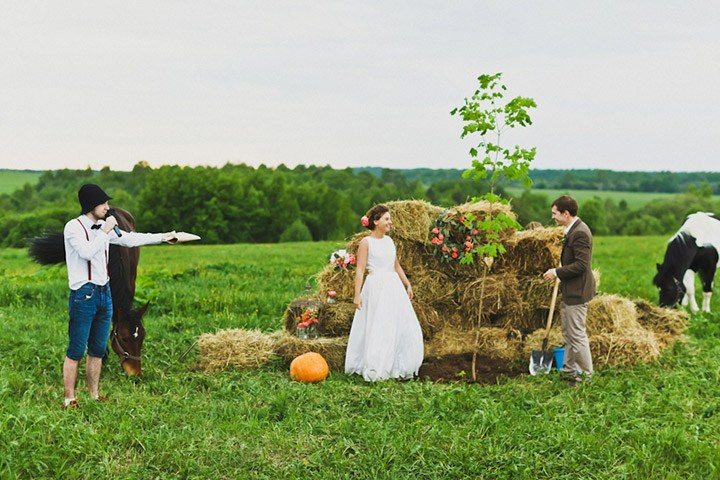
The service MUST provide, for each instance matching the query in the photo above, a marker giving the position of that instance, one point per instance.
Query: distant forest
(240, 203)
(660, 182)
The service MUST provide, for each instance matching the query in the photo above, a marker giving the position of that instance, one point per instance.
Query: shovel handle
(552, 308)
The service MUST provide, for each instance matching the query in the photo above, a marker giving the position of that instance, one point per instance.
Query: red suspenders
(87, 237)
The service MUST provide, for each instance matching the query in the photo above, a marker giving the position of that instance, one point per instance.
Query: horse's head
(670, 288)
(127, 338)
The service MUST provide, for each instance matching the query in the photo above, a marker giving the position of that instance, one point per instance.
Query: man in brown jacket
(577, 286)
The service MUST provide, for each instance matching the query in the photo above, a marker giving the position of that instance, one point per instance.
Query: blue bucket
(559, 354)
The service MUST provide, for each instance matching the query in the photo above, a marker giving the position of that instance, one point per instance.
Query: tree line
(587, 179)
(240, 203)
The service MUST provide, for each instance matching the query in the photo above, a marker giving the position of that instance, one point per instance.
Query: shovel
(541, 360)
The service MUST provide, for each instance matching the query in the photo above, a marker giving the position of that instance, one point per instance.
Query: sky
(619, 85)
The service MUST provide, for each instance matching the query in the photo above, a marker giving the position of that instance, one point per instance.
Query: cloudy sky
(619, 85)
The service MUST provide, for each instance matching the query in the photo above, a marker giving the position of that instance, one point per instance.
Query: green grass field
(660, 420)
(634, 200)
(11, 180)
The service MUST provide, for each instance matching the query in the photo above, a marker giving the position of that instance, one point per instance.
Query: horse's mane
(122, 265)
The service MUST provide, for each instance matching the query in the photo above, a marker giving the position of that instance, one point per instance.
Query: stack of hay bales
(515, 301)
(448, 300)
(622, 331)
(504, 324)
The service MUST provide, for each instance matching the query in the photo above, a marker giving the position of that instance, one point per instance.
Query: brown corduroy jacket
(577, 283)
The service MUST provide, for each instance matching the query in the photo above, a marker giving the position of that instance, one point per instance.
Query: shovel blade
(540, 361)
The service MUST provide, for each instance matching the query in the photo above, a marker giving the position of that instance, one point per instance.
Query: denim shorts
(91, 310)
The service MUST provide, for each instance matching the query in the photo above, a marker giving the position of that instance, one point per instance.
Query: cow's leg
(706, 301)
(689, 282)
(706, 263)
(707, 275)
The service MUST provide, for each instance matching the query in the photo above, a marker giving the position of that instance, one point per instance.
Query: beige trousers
(577, 346)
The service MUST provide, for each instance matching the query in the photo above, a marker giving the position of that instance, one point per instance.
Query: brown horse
(128, 333)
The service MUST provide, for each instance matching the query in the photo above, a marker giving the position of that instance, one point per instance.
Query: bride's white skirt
(385, 337)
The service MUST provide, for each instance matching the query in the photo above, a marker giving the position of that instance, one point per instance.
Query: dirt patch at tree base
(458, 368)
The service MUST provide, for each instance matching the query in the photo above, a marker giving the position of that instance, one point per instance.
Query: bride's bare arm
(403, 278)
(361, 258)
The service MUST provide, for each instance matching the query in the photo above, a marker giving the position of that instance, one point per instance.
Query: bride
(385, 337)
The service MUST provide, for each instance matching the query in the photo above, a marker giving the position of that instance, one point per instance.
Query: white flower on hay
(339, 255)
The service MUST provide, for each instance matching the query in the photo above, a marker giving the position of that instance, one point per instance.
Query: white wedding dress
(385, 337)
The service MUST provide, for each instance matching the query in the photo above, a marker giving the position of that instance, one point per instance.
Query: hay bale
(236, 348)
(336, 319)
(411, 255)
(413, 219)
(528, 309)
(531, 252)
(432, 286)
(488, 296)
(527, 321)
(536, 292)
(296, 308)
(629, 347)
(335, 278)
(430, 319)
(611, 314)
(459, 273)
(482, 209)
(450, 340)
(500, 343)
(497, 343)
(354, 242)
(332, 349)
(661, 320)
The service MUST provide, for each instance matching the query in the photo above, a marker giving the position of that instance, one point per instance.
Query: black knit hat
(90, 196)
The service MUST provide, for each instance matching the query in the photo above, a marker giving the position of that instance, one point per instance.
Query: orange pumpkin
(309, 367)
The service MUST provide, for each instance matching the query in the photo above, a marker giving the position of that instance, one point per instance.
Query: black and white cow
(694, 249)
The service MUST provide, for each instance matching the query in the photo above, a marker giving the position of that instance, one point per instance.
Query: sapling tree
(487, 115)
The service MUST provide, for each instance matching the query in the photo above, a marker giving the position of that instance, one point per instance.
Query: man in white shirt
(87, 240)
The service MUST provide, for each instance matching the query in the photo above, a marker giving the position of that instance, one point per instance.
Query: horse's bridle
(116, 340)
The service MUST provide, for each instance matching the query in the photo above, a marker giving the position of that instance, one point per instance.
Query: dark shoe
(101, 398)
(72, 405)
(579, 379)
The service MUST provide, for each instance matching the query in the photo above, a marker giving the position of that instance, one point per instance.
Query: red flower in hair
(365, 221)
